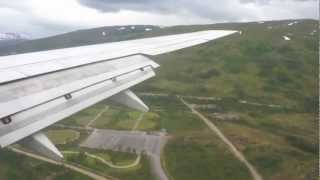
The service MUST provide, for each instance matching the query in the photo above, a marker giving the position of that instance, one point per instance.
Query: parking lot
(126, 141)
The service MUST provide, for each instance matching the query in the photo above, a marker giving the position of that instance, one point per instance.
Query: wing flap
(39, 90)
(30, 121)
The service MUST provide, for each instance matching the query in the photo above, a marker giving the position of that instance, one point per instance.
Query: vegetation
(63, 136)
(117, 117)
(85, 116)
(258, 65)
(202, 156)
(14, 166)
(270, 83)
(140, 172)
(172, 116)
(279, 141)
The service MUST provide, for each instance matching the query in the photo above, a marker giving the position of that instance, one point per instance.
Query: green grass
(116, 158)
(280, 142)
(85, 116)
(202, 156)
(14, 166)
(62, 136)
(192, 151)
(149, 122)
(258, 66)
(117, 117)
(140, 172)
(172, 115)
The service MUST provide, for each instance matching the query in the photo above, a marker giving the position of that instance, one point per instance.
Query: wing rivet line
(68, 96)
(6, 120)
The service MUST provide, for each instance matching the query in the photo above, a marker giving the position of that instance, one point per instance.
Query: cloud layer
(40, 18)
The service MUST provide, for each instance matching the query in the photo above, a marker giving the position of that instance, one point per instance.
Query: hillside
(270, 62)
(260, 87)
(79, 38)
(257, 65)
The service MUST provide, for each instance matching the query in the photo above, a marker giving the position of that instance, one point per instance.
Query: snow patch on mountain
(12, 36)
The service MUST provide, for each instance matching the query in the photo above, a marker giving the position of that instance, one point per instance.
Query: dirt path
(69, 166)
(97, 117)
(254, 173)
(137, 123)
(212, 98)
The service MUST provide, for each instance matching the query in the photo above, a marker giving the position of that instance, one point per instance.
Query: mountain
(79, 38)
(266, 77)
(11, 36)
(276, 59)
(11, 39)
(282, 53)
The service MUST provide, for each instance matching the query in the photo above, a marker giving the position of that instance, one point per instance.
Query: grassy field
(193, 152)
(116, 158)
(172, 116)
(202, 156)
(117, 117)
(280, 142)
(149, 122)
(18, 167)
(140, 172)
(62, 136)
(85, 116)
(258, 65)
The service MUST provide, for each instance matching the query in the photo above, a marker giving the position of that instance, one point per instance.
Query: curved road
(135, 163)
(69, 166)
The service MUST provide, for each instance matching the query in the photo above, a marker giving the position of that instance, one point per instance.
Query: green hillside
(258, 65)
(269, 84)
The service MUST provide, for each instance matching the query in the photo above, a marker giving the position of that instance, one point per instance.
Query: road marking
(254, 173)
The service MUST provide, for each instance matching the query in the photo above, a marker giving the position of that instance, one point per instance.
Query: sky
(40, 18)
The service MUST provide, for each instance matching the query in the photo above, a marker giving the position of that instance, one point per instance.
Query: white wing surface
(41, 88)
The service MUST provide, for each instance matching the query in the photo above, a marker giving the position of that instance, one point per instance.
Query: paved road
(254, 173)
(157, 167)
(69, 166)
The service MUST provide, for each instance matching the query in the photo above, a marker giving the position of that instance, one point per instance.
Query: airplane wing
(41, 88)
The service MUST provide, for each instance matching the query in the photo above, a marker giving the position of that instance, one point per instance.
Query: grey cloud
(215, 10)
(226, 10)
(28, 19)
(140, 5)
(268, 1)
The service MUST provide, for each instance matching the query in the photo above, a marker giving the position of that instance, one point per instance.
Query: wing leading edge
(40, 89)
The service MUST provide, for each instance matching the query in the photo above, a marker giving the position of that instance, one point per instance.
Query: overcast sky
(39, 18)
